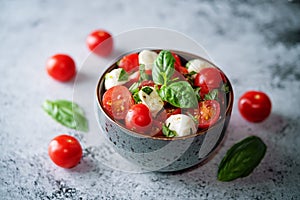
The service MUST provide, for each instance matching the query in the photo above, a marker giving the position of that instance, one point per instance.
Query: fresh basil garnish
(225, 88)
(163, 68)
(179, 94)
(197, 93)
(212, 95)
(143, 75)
(123, 76)
(167, 132)
(147, 90)
(66, 113)
(241, 159)
(136, 97)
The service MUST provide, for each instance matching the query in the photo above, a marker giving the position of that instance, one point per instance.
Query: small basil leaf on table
(241, 159)
(163, 68)
(179, 94)
(66, 113)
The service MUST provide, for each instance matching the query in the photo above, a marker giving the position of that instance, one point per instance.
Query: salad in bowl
(154, 101)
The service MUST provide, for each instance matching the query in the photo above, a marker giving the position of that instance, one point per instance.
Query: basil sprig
(241, 159)
(179, 94)
(163, 68)
(167, 131)
(66, 113)
(123, 75)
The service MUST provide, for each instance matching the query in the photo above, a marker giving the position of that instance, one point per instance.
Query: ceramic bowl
(163, 154)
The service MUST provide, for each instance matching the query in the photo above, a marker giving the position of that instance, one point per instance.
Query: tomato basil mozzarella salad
(161, 94)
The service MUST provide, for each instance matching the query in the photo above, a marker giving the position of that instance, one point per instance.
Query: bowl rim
(100, 85)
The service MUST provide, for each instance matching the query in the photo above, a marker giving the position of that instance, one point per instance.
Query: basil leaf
(163, 68)
(167, 132)
(241, 159)
(123, 76)
(179, 94)
(147, 90)
(134, 87)
(66, 113)
(197, 93)
(212, 95)
(136, 97)
(225, 88)
(143, 75)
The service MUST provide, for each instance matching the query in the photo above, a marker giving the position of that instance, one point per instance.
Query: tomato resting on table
(100, 42)
(165, 98)
(65, 151)
(255, 106)
(61, 67)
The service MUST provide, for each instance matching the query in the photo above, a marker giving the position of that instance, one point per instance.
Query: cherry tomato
(255, 106)
(129, 62)
(208, 79)
(117, 101)
(139, 119)
(61, 67)
(177, 65)
(65, 151)
(98, 37)
(209, 113)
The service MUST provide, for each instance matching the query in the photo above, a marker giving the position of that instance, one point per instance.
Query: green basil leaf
(163, 68)
(225, 88)
(143, 75)
(212, 95)
(134, 88)
(241, 159)
(197, 93)
(147, 90)
(167, 132)
(66, 113)
(136, 97)
(123, 76)
(179, 94)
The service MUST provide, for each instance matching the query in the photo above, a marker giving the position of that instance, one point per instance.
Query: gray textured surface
(256, 44)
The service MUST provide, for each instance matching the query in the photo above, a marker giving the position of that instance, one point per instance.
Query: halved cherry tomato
(255, 106)
(209, 113)
(208, 79)
(98, 37)
(65, 151)
(61, 67)
(129, 62)
(139, 119)
(117, 101)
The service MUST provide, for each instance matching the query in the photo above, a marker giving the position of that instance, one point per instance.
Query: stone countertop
(256, 44)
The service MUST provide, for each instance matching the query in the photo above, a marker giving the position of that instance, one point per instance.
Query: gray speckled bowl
(163, 154)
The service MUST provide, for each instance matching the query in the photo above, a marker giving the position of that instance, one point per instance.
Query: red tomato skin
(61, 67)
(116, 98)
(255, 106)
(208, 104)
(129, 62)
(65, 151)
(98, 37)
(139, 119)
(208, 79)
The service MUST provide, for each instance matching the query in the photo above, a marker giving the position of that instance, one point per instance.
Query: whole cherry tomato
(61, 67)
(139, 119)
(65, 151)
(209, 113)
(117, 101)
(208, 79)
(255, 106)
(129, 62)
(100, 42)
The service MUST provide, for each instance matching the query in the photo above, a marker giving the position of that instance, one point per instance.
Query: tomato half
(177, 65)
(65, 151)
(255, 106)
(117, 101)
(209, 113)
(61, 67)
(208, 79)
(100, 42)
(139, 119)
(129, 62)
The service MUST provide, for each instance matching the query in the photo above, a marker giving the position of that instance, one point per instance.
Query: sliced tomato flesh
(209, 113)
